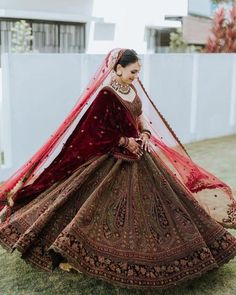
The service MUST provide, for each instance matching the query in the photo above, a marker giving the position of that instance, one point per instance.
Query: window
(49, 36)
(158, 40)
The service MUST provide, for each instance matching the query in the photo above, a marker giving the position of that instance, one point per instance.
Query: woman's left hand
(145, 142)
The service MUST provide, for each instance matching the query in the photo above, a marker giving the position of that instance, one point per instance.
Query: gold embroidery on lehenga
(131, 223)
(126, 222)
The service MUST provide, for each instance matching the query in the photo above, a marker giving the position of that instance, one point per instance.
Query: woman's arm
(143, 126)
(141, 122)
(145, 133)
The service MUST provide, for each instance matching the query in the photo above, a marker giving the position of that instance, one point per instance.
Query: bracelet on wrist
(125, 143)
(146, 131)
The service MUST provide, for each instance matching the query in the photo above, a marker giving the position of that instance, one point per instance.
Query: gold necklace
(124, 89)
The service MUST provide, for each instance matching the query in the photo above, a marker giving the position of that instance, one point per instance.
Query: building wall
(196, 30)
(197, 99)
(131, 19)
(83, 7)
(109, 23)
(200, 7)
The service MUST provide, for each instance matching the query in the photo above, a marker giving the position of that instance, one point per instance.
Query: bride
(114, 194)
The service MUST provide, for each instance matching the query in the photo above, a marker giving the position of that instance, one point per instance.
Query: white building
(92, 26)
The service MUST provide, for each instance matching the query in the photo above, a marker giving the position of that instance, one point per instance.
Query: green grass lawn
(17, 277)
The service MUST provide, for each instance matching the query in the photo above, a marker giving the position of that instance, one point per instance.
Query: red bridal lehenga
(152, 222)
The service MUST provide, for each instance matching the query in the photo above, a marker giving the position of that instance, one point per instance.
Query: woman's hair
(129, 56)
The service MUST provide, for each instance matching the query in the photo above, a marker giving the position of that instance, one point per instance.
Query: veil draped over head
(213, 195)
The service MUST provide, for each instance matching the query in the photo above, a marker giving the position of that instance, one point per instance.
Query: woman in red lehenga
(114, 194)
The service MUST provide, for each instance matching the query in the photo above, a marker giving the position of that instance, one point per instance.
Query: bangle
(126, 142)
(146, 131)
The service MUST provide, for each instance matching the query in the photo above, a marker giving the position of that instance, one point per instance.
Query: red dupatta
(79, 137)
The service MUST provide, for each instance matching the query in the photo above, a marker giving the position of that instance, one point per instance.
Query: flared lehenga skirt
(129, 223)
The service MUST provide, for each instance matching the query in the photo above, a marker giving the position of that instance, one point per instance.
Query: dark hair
(128, 57)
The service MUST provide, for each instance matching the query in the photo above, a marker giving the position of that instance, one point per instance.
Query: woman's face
(129, 73)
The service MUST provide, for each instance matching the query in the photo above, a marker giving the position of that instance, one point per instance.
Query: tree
(177, 43)
(223, 38)
(21, 37)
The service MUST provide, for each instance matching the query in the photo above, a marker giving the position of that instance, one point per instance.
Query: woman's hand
(145, 138)
(131, 145)
(134, 147)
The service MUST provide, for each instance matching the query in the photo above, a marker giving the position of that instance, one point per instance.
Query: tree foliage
(177, 43)
(223, 37)
(21, 37)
